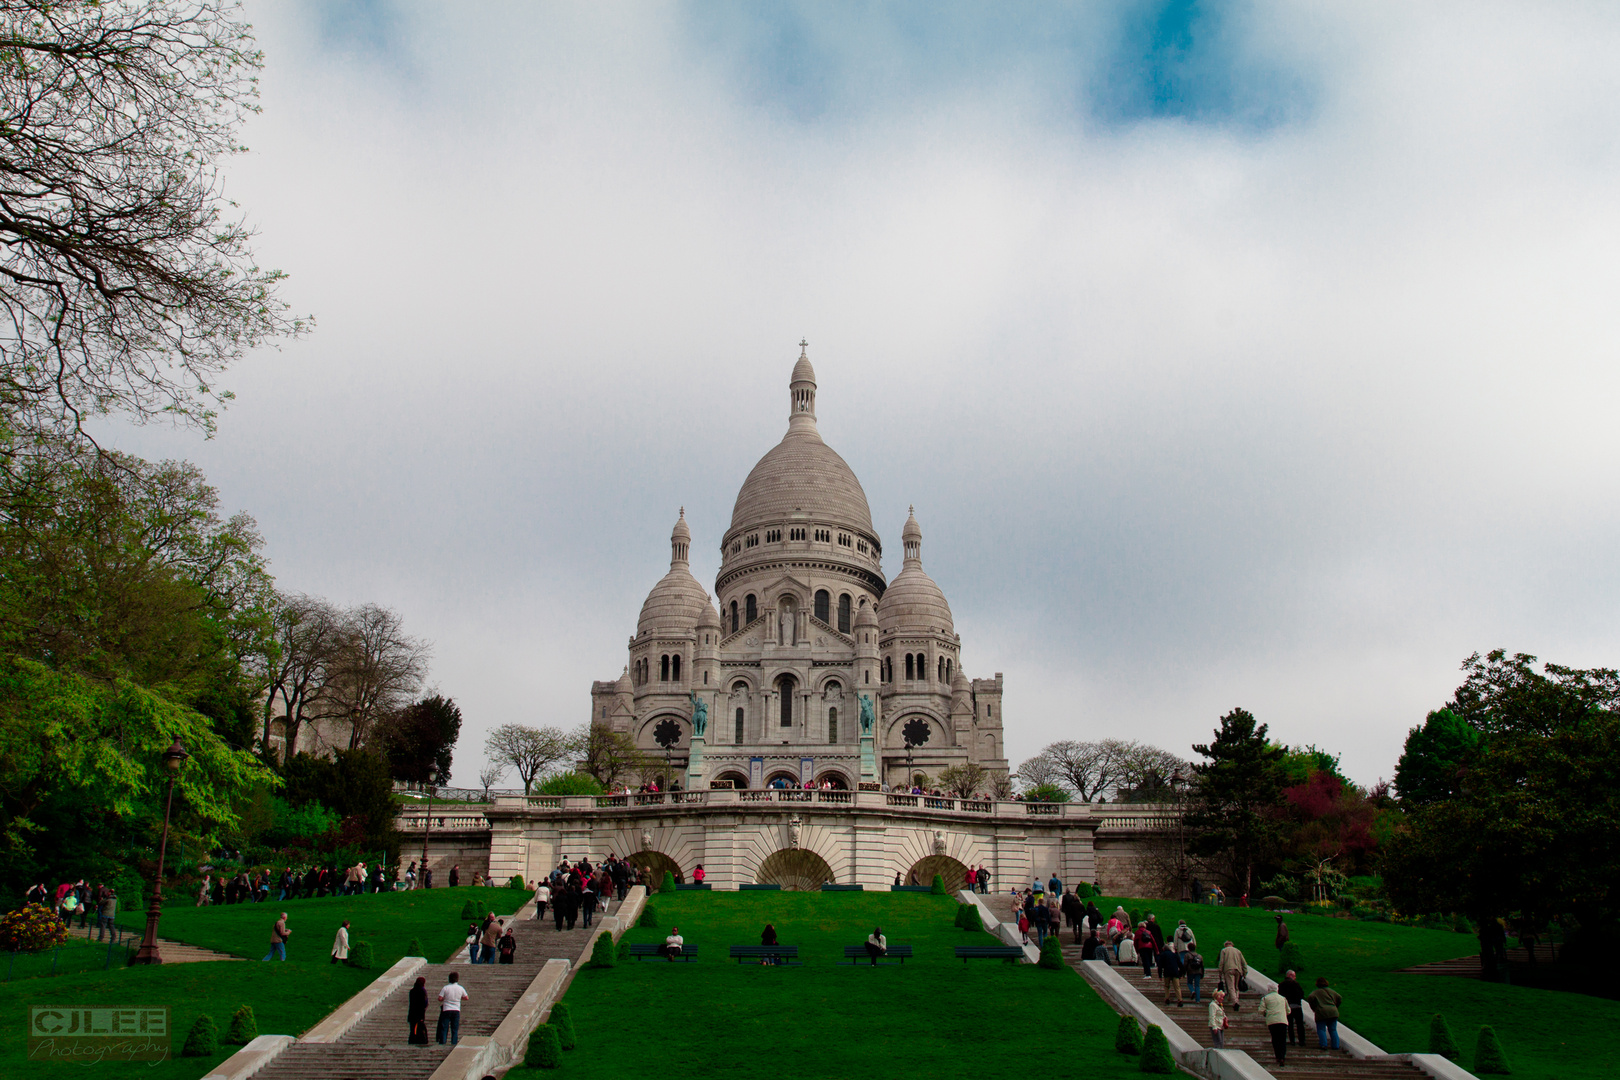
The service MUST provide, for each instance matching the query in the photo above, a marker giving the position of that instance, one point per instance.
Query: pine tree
(1291, 958)
(1440, 1040)
(469, 911)
(970, 917)
(603, 954)
(361, 956)
(563, 1021)
(649, 916)
(545, 1048)
(668, 884)
(938, 887)
(244, 1027)
(1052, 953)
(1488, 1056)
(202, 1040)
(1128, 1037)
(1156, 1055)
(1239, 785)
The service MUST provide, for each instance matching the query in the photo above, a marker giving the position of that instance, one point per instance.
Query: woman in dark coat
(417, 1017)
(507, 946)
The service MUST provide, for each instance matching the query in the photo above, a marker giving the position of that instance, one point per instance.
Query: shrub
(1462, 925)
(1290, 958)
(415, 947)
(938, 887)
(202, 1040)
(244, 1027)
(563, 1021)
(545, 1048)
(1052, 953)
(971, 919)
(1136, 918)
(1084, 891)
(1440, 1040)
(1488, 1056)
(1156, 1055)
(668, 884)
(603, 954)
(649, 915)
(31, 928)
(1128, 1037)
(570, 783)
(361, 956)
(469, 911)
(516, 882)
(961, 913)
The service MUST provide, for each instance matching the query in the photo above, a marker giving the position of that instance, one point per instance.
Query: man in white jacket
(340, 944)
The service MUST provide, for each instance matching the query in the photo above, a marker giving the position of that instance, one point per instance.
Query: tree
(1239, 789)
(607, 755)
(420, 740)
(376, 669)
(306, 632)
(355, 784)
(1507, 694)
(490, 775)
(1103, 770)
(531, 751)
(1436, 756)
(127, 281)
(963, 780)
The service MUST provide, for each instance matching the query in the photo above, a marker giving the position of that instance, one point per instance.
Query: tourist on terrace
(698, 875)
(1325, 1002)
(450, 999)
(984, 879)
(674, 943)
(877, 945)
(1217, 1020)
(416, 1013)
(455, 875)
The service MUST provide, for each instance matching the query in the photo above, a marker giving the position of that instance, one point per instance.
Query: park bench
(1009, 953)
(650, 952)
(782, 954)
(759, 888)
(831, 887)
(897, 954)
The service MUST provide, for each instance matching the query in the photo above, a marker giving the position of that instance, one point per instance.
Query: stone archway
(795, 869)
(655, 862)
(739, 780)
(924, 869)
(839, 781)
(791, 778)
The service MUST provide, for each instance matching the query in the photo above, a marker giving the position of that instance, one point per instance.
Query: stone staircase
(173, 952)
(1249, 1034)
(376, 1047)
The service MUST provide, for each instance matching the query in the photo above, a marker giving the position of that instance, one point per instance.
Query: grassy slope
(1546, 1034)
(933, 1016)
(287, 998)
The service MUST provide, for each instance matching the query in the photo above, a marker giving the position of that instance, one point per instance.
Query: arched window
(910, 671)
(663, 669)
(734, 617)
(843, 614)
(675, 667)
(784, 687)
(869, 678)
(942, 669)
(948, 673)
(752, 610)
(832, 724)
(823, 605)
(705, 678)
(739, 725)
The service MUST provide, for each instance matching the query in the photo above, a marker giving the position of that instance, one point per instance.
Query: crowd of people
(79, 899)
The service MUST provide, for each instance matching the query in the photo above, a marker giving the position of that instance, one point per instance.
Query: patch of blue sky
(825, 61)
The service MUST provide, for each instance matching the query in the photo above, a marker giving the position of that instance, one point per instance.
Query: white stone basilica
(814, 668)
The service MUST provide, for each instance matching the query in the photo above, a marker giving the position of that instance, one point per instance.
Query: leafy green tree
(1432, 764)
(420, 740)
(570, 783)
(1234, 811)
(355, 784)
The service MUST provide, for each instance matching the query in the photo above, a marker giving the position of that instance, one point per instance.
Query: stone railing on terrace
(1146, 817)
(415, 821)
(1143, 817)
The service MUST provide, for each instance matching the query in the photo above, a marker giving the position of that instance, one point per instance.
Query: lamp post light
(173, 758)
(1177, 783)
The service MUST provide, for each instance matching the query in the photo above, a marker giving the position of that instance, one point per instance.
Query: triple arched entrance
(923, 870)
(795, 869)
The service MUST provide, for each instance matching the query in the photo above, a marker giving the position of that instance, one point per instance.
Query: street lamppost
(1177, 783)
(173, 758)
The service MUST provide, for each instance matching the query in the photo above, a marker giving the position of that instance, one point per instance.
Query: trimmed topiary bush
(202, 1040)
(1290, 958)
(1488, 1057)
(938, 887)
(1052, 953)
(1128, 1037)
(1156, 1055)
(668, 884)
(1462, 925)
(961, 912)
(649, 916)
(1136, 918)
(563, 1021)
(244, 1027)
(1084, 891)
(415, 947)
(516, 882)
(1440, 1040)
(545, 1048)
(970, 917)
(469, 911)
(603, 954)
(362, 956)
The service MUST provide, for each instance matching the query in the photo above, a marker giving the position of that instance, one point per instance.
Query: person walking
(1274, 1013)
(1170, 968)
(1217, 1020)
(1294, 993)
(1041, 918)
(450, 999)
(340, 944)
(1182, 938)
(205, 890)
(587, 903)
(1282, 933)
(1145, 949)
(106, 915)
(984, 880)
(455, 875)
(1054, 885)
(1233, 969)
(491, 938)
(1193, 968)
(507, 946)
(278, 939)
(1325, 1003)
(542, 897)
(416, 1013)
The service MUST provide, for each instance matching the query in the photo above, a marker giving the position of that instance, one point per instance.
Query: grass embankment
(932, 1016)
(287, 998)
(1548, 1035)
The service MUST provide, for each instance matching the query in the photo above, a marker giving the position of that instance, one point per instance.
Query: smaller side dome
(710, 619)
(912, 600)
(624, 686)
(959, 683)
(864, 617)
(677, 601)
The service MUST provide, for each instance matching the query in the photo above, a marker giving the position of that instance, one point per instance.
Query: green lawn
(77, 955)
(387, 920)
(932, 1016)
(1548, 1035)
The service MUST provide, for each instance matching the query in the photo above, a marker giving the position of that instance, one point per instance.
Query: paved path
(1248, 1034)
(376, 1047)
(173, 952)
(1469, 966)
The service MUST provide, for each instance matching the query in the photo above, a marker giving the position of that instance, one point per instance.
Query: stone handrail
(415, 822)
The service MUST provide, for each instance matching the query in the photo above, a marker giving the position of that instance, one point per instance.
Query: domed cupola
(677, 601)
(913, 602)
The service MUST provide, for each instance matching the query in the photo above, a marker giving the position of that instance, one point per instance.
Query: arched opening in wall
(843, 614)
(663, 668)
(739, 781)
(795, 869)
(675, 667)
(838, 780)
(750, 609)
(785, 687)
(655, 863)
(824, 605)
(734, 624)
(919, 779)
(923, 870)
(910, 671)
(786, 779)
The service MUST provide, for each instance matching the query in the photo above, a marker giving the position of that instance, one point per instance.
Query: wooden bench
(650, 952)
(898, 954)
(1010, 953)
(782, 954)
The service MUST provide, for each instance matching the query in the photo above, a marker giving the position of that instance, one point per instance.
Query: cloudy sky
(1246, 354)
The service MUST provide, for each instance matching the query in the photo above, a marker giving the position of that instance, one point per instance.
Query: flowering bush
(31, 928)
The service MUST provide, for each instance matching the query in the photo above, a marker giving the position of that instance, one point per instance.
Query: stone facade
(807, 630)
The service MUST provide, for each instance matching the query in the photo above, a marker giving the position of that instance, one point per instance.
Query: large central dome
(801, 473)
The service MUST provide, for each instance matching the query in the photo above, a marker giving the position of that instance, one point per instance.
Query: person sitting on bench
(767, 938)
(672, 946)
(877, 945)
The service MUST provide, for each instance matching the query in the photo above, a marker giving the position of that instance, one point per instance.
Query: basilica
(814, 668)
